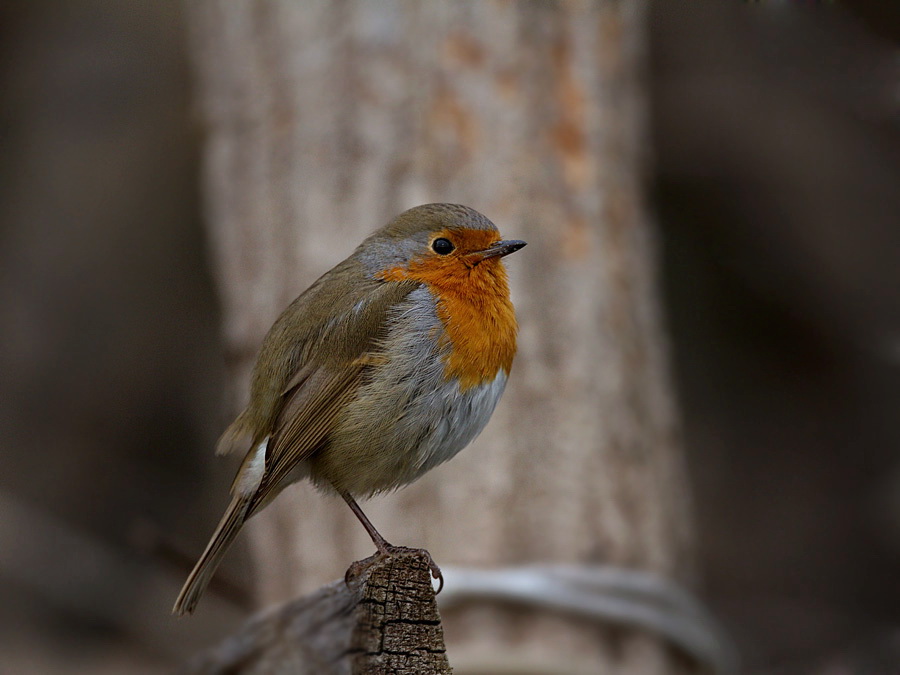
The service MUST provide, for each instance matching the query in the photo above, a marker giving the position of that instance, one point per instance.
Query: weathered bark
(325, 120)
(383, 621)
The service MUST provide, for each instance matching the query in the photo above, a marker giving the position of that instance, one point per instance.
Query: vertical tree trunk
(326, 119)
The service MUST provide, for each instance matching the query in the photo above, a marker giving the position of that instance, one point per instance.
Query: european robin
(388, 365)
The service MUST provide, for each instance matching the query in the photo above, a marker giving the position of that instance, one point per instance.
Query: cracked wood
(383, 620)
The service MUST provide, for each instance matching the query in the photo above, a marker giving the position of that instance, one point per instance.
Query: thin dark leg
(384, 548)
(380, 542)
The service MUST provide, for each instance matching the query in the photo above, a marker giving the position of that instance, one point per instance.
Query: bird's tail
(218, 545)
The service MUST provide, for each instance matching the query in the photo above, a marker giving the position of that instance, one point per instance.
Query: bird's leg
(384, 548)
(380, 542)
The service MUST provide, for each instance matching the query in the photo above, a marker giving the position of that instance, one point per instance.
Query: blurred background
(776, 188)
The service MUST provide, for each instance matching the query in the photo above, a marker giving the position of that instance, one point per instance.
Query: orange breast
(481, 329)
(473, 304)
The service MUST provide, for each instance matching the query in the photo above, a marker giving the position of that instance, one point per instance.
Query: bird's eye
(442, 246)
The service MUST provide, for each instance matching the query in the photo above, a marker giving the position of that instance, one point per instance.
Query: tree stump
(383, 619)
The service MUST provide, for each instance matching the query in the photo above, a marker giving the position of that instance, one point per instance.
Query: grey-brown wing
(321, 388)
(309, 414)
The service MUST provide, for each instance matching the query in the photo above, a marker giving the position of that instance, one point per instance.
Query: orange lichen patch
(452, 124)
(461, 49)
(569, 134)
(576, 238)
(507, 84)
(473, 304)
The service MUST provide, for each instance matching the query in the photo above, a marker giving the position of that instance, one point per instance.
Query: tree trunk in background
(326, 119)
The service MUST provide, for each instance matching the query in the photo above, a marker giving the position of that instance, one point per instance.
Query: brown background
(775, 188)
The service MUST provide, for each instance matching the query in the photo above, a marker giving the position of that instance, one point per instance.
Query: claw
(436, 574)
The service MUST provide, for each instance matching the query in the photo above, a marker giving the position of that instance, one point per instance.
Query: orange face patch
(472, 303)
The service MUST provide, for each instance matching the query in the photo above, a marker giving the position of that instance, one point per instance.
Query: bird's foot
(390, 551)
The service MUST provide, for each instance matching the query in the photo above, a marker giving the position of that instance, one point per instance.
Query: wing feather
(320, 388)
(308, 416)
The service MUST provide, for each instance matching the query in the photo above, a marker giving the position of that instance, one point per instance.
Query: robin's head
(447, 246)
(456, 252)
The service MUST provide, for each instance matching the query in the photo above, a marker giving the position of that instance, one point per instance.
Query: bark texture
(326, 119)
(383, 621)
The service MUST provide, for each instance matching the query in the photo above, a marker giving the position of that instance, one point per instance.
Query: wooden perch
(383, 619)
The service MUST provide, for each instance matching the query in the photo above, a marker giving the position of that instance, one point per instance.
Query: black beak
(500, 249)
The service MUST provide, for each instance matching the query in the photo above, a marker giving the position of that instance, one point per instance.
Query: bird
(385, 367)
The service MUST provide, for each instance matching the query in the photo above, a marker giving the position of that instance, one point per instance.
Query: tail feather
(218, 545)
